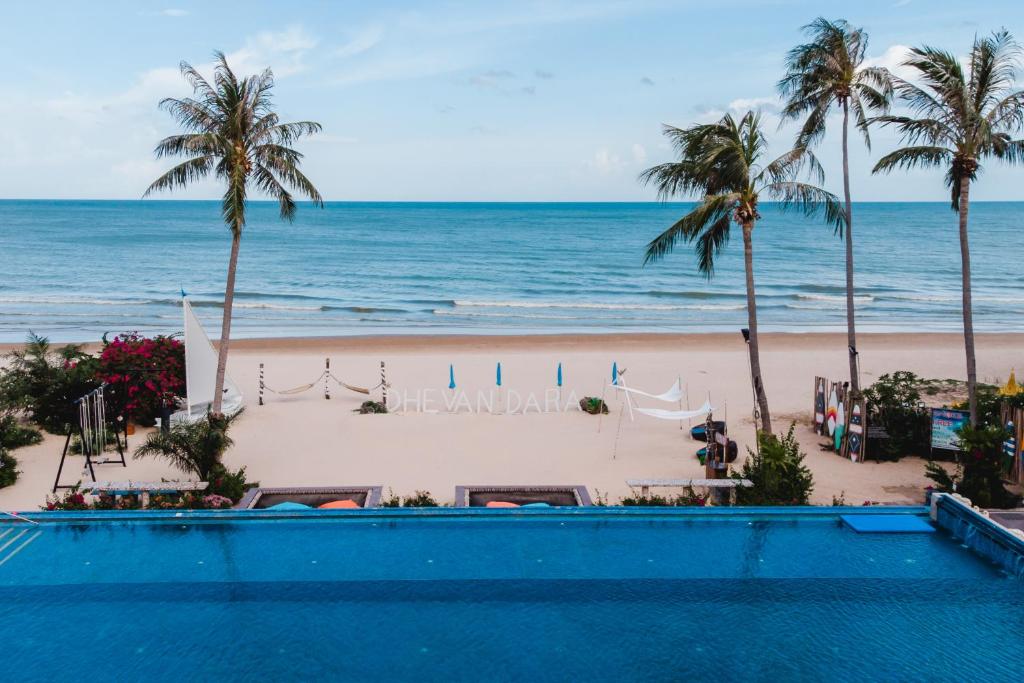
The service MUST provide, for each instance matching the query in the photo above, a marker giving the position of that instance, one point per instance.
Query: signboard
(945, 425)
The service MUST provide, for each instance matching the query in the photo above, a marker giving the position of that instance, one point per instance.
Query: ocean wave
(860, 298)
(587, 305)
(76, 301)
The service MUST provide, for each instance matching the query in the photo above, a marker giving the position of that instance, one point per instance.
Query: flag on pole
(451, 376)
(498, 378)
(559, 374)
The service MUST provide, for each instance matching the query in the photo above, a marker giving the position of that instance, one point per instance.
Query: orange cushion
(340, 505)
(501, 504)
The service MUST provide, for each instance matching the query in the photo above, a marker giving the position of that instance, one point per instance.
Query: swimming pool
(446, 595)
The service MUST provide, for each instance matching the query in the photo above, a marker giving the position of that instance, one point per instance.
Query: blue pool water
(445, 596)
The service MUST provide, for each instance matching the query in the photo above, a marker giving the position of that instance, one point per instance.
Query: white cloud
(605, 162)
(892, 59)
(742, 105)
(639, 153)
(172, 12)
(282, 50)
(363, 41)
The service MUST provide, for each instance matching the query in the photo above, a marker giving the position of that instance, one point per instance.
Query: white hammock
(677, 414)
(673, 395)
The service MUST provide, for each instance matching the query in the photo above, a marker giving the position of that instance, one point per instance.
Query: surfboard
(819, 405)
(832, 411)
(840, 426)
(855, 439)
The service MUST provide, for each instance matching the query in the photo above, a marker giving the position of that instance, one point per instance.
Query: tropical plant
(722, 163)
(371, 408)
(689, 498)
(234, 134)
(894, 404)
(192, 447)
(979, 470)
(777, 471)
(16, 435)
(419, 499)
(829, 71)
(958, 118)
(145, 375)
(593, 405)
(45, 382)
(8, 468)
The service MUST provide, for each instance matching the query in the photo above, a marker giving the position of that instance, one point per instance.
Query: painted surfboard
(832, 411)
(819, 405)
(854, 440)
(840, 426)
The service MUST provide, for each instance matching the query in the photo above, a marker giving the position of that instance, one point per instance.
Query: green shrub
(8, 468)
(371, 408)
(419, 499)
(979, 469)
(45, 383)
(593, 405)
(688, 498)
(894, 403)
(777, 471)
(228, 484)
(14, 435)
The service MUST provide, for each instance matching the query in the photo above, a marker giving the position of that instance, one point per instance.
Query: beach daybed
(327, 497)
(480, 496)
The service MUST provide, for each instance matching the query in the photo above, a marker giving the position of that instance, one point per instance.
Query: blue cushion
(888, 524)
(289, 506)
(536, 505)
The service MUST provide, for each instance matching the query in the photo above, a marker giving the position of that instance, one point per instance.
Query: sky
(445, 101)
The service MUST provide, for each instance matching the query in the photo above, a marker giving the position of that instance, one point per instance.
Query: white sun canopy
(674, 393)
(201, 373)
(677, 414)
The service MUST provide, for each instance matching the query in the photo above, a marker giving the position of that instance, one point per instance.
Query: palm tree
(192, 447)
(721, 161)
(234, 134)
(829, 71)
(957, 119)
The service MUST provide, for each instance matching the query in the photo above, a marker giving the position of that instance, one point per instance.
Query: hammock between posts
(306, 387)
(673, 395)
(677, 414)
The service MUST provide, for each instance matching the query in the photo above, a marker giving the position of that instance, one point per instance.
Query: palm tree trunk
(965, 267)
(225, 327)
(851, 331)
(755, 355)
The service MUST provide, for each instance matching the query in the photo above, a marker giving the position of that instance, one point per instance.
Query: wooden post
(327, 379)
(383, 385)
(261, 383)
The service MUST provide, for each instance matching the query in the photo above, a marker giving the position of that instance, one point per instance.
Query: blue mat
(888, 524)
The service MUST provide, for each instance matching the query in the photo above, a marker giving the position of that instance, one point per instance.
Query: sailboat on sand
(201, 373)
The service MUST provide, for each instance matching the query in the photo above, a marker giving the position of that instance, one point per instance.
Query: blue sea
(73, 270)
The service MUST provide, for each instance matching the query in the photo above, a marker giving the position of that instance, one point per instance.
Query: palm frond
(923, 156)
(810, 200)
(708, 213)
(183, 175)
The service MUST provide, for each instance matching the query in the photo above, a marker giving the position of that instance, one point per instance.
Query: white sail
(201, 373)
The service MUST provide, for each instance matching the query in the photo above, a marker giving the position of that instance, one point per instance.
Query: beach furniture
(522, 496)
(322, 497)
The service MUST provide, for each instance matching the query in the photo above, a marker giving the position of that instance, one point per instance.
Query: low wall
(979, 533)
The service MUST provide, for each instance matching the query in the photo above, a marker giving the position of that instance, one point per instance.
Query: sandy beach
(436, 439)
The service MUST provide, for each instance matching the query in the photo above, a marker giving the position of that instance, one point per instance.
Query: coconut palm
(234, 134)
(957, 119)
(722, 163)
(826, 72)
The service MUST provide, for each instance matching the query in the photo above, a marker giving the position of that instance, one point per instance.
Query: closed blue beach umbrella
(451, 376)
(498, 379)
(615, 372)
(559, 374)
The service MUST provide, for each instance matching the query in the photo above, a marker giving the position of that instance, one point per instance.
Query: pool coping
(80, 516)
